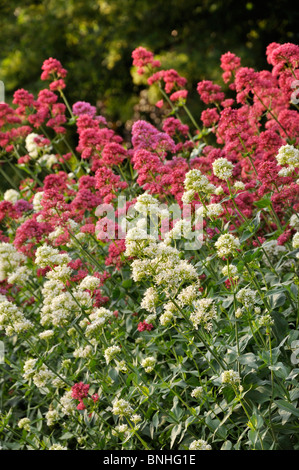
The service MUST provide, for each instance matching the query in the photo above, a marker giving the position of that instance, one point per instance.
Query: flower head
(227, 244)
(148, 363)
(223, 168)
(200, 444)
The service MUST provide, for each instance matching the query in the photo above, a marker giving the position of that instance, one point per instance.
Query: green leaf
(155, 420)
(286, 406)
(176, 430)
(66, 436)
(264, 202)
(127, 283)
(285, 416)
(277, 299)
(253, 437)
(227, 445)
(249, 359)
(113, 373)
(280, 370)
(116, 293)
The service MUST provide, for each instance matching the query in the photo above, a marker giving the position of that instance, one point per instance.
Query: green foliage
(94, 41)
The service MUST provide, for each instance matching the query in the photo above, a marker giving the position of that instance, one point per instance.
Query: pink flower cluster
(247, 129)
(142, 58)
(79, 392)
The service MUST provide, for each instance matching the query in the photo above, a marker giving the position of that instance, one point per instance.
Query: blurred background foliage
(94, 40)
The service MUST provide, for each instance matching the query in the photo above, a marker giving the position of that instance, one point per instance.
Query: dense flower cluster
(174, 253)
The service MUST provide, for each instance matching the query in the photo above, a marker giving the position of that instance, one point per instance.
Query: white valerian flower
(212, 211)
(70, 228)
(12, 320)
(11, 195)
(82, 323)
(67, 404)
(10, 262)
(188, 196)
(170, 309)
(141, 269)
(57, 447)
(230, 271)
(166, 318)
(83, 298)
(219, 191)
(58, 382)
(45, 256)
(52, 416)
(36, 202)
(111, 352)
(188, 295)
(150, 300)
(223, 168)
(295, 241)
(148, 363)
(172, 274)
(136, 418)
(97, 320)
(286, 171)
(197, 393)
(146, 203)
(122, 366)
(79, 237)
(46, 334)
(200, 444)
(136, 240)
(59, 305)
(181, 228)
(48, 160)
(230, 377)
(205, 311)
(151, 318)
(247, 297)
(31, 146)
(90, 283)
(56, 233)
(197, 182)
(120, 429)
(43, 377)
(29, 368)
(239, 185)
(162, 265)
(239, 312)
(66, 363)
(19, 276)
(294, 222)
(121, 407)
(272, 252)
(59, 273)
(265, 320)
(288, 155)
(24, 423)
(227, 244)
(83, 352)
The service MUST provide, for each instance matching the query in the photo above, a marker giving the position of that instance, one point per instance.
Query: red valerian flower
(143, 326)
(142, 58)
(80, 390)
(52, 68)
